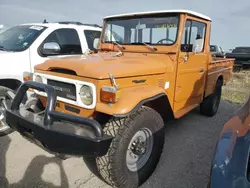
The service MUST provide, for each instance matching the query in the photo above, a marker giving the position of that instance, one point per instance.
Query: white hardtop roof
(162, 11)
(58, 25)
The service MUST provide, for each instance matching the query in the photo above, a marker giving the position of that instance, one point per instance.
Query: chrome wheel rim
(5, 95)
(139, 149)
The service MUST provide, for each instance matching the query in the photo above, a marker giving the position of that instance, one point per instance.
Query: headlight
(86, 95)
(38, 79)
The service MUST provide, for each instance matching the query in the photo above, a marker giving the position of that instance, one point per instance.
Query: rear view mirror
(51, 48)
(95, 43)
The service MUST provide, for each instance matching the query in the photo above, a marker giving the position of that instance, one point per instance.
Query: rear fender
(130, 100)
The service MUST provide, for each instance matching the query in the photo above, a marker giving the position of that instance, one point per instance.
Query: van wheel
(210, 105)
(135, 150)
(6, 95)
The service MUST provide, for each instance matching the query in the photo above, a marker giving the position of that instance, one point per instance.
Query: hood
(99, 65)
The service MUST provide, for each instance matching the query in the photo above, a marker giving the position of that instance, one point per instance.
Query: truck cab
(150, 67)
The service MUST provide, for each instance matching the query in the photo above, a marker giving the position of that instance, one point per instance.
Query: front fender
(130, 100)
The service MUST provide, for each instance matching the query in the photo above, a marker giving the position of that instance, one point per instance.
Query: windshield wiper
(114, 42)
(151, 47)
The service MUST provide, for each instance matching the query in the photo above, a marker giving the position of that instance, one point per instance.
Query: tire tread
(116, 128)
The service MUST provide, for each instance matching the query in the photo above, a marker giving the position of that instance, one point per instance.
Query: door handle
(202, 70)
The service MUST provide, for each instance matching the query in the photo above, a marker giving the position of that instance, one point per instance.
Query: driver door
(191, 66)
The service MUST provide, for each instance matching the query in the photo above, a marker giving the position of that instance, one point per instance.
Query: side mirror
(51, 48)
(95, 43)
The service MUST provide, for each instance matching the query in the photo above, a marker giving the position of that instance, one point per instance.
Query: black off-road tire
(6, 132)
(210, 105)
(112, 167)
(9, 130)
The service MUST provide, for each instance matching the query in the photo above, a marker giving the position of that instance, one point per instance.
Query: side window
(114, 33)
(119, 33)
(68, 40)
(91, 35)
(193, 37)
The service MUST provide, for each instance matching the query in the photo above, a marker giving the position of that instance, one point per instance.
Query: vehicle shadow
(189, 147)
(34, 171)
(4, 145)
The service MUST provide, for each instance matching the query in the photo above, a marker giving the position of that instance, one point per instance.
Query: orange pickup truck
(110, 107)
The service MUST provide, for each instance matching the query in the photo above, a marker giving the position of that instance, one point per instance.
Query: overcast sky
(230, 26)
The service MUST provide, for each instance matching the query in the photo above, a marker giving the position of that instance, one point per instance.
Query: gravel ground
(185, 162)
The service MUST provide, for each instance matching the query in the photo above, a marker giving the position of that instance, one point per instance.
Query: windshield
(19, 38)
(155, 30)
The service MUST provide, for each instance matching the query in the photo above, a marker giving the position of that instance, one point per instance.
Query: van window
(91, 35)
(68, 40)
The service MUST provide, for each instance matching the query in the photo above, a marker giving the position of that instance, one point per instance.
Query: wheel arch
(13, 84)
(219, 78)
(10, 83)
(159, 103)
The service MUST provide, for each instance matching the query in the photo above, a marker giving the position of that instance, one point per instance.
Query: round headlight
(86, 95)
(38, 79)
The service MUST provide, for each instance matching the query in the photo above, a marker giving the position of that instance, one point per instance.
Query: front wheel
(6, 96)
(135, 150)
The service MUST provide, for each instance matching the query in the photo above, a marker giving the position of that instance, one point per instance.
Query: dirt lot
(185, 162)
(237, 90)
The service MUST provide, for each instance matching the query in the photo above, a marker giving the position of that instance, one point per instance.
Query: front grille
(64, 90)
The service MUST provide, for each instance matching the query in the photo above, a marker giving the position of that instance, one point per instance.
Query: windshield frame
(33, 40)
(157, 15)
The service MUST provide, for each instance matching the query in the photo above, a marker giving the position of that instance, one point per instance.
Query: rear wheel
(135, 150)
(6, 96)
(210, 105)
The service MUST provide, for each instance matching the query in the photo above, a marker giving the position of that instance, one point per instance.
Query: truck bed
(218, 67)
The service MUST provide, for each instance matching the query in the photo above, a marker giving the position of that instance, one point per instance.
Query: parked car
(110, 106)
(217, 51)
(241, 56)
(26, 45)
(230, 166)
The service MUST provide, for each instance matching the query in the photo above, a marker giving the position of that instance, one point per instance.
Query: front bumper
(56, 132)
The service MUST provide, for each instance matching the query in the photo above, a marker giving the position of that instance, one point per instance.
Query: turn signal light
(27, 76)
(110, 94)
